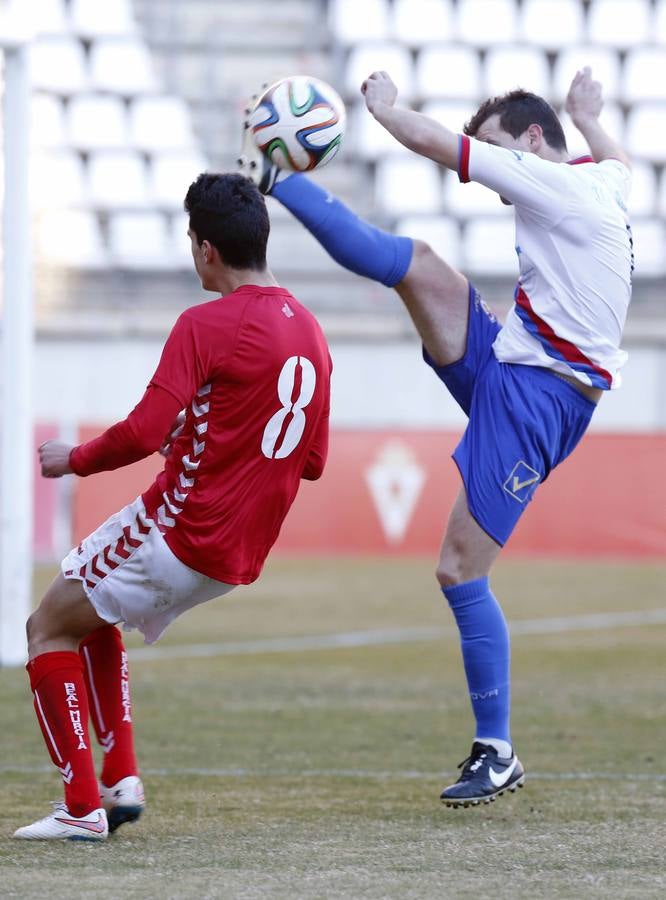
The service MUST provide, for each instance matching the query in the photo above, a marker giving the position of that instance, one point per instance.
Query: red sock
(61, 704)
(107, 678)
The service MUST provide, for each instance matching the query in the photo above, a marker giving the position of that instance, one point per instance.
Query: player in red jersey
(252, 371)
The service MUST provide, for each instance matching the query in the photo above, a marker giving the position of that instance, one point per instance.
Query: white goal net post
(16, 342)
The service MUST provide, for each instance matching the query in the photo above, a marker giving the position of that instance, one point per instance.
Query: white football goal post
(16, 347)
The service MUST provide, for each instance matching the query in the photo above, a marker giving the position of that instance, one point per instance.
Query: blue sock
(484, 638)
(353, 243)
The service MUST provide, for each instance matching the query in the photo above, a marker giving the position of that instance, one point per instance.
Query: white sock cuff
(504, 748)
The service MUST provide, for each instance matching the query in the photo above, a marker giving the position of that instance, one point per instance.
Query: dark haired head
(518, 110)
(229, 212)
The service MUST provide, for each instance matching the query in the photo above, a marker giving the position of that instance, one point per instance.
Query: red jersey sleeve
(136, 437)
(182, 369)
(314, 464)
(186, 361)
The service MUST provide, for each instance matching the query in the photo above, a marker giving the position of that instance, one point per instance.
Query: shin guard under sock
(61, 705)
(106, 672)
(355, 244)
(484, 639)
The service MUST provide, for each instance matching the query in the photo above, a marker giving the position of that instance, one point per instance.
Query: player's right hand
(584, 99)
(54, 458)
(378, 89)
(172, 434)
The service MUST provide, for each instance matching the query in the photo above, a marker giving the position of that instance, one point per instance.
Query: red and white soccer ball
(298, 123)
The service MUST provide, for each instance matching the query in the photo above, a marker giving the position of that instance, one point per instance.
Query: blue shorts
(523, 421)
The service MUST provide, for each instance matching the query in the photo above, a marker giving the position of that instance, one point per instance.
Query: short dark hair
(228, 211)
(517, 111)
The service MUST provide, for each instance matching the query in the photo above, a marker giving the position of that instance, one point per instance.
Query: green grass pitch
(316, 773)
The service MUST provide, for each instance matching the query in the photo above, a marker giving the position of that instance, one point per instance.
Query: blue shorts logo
(480, 303)
(522, 482)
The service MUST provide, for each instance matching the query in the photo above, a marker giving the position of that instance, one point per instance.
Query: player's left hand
(378, 88)
(54, 457)
(584, 99)
(172, 434)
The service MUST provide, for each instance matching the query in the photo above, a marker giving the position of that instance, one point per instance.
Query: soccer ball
(298, 123)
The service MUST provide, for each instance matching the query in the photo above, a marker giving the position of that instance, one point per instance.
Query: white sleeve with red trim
(538, 187)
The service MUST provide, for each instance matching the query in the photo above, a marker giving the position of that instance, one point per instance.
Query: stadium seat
(351, 21)
(58, 64)
(140, 240)
(367, 137)
(471, 199)
(644, 74)
(451, 113)
(418, 22)
(122, 66)
(619, 23)
(52, 18)
(449, 70)
(506, 68)
(646, 132)
(157, 123)
(241, 73)
(366, 58)
(47, 121)
(604, 62)
(409, 184)
(178, 240)
(117, 179)
(643, 196)
(440, 232)
(489, 247)
(661, 194)
(57, 179)
(649, 241)
(612, 120)
(659, 29)
(71, 237)
(487, 22)
(97, 121)
(171, 175)
(552, 23)
(90, 18)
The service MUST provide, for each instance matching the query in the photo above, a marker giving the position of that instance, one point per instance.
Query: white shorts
(131, 576)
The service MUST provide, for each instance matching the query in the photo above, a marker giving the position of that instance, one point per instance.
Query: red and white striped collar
(579, 159)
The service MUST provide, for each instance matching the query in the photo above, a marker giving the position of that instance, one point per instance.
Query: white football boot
(59, 825)
(124, 801)
(252, 163)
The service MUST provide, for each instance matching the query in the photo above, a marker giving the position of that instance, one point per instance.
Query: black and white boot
(252, 163)
(485, 775)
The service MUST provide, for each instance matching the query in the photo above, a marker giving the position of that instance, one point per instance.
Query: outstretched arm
(584, 104)
(181, 372)
(137, 436)
(414, 130)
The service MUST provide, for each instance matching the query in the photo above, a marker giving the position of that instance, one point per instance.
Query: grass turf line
(587, 701)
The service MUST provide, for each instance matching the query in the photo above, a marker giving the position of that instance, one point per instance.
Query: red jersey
(252, 369)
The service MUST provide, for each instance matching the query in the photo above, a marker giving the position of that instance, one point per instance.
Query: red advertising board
(390, 492)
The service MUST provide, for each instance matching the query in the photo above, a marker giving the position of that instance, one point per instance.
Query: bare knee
(427, 265)
(459, 563)
(421, 251)
(449, 570)
(62, 618)
(35, 632)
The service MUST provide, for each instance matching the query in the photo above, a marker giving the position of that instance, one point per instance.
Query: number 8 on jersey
(285, 389)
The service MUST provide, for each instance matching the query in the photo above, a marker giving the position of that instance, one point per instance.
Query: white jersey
(575, 256)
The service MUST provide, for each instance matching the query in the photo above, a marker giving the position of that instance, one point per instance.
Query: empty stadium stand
(132, 99)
